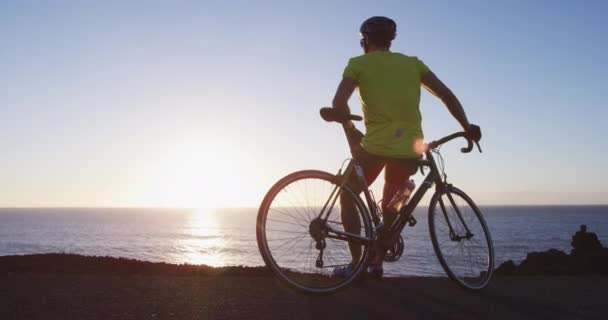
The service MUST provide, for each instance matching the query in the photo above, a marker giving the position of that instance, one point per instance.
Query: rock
(551, 262)
(588, 257)
(507, 268)
(584, 242)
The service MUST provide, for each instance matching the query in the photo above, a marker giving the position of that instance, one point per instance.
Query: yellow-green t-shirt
(389, 89)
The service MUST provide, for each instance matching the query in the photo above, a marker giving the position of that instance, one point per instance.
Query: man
(389, 89)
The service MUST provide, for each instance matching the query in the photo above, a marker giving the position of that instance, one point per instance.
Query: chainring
(396, 251)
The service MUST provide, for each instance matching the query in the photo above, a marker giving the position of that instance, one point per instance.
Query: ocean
(225, 237)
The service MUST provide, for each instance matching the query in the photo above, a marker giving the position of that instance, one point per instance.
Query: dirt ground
(64, 296)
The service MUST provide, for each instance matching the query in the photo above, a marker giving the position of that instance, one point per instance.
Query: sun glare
(204, 244)
(200, 175)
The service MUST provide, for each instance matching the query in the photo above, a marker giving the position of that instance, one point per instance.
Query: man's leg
(388, 192)
(388, 217)
(397, 172)
(351, 222)
(349, 212)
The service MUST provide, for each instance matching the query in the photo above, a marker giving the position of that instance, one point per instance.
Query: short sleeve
(352, 70)
(422, 68)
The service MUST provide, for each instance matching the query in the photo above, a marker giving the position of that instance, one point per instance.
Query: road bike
(302, 239)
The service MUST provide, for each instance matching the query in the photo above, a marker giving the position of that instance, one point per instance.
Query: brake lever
(468, 148)
(478, 147)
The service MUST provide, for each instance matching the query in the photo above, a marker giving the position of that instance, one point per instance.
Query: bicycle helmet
(378, 29)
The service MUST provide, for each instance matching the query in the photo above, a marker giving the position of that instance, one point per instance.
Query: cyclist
(389, 90)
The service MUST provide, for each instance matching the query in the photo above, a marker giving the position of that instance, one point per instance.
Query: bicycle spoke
(467, 259)
(304, 222)
(286, 242)
(285, 222)
(289, 227)
(295, 207)
(279, 230)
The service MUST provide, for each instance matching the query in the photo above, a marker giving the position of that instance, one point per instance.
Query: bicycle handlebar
(467, 149)
(330, 115)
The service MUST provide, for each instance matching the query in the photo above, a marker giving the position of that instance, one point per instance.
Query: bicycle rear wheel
(285, 233)
(461, 238)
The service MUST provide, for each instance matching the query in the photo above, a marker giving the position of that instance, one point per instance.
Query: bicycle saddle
(330, 115)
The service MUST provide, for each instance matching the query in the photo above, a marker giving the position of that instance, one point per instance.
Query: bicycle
(301, 238)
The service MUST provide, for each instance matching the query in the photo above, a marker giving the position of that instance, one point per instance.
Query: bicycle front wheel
(294, 242)
(461, 238)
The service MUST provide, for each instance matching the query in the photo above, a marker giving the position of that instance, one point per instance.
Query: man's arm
(431, 83)
(345, 89)
(340, 103)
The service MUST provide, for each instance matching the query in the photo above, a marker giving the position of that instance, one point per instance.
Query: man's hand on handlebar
(474, 133)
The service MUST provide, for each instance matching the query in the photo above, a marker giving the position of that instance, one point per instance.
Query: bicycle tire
(287, 275)
(452, 265)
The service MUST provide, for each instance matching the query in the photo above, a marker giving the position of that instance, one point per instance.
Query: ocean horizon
(226, 237)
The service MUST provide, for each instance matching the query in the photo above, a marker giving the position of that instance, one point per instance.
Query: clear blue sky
(149, 103)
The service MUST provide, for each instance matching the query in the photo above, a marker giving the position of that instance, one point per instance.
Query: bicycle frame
(366, 228)
(404, 215)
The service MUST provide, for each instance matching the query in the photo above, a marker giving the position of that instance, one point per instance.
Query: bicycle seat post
(349, 139)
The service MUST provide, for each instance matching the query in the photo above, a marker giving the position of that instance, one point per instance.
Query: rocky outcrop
(587, 257)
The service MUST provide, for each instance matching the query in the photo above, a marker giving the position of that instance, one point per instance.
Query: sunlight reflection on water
(203, 242)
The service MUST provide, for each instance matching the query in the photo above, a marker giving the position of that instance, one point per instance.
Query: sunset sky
(208, 103)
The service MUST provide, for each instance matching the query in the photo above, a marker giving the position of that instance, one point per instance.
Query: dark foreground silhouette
(587, 257)
(85, 296)
(60, 286)
(67, 286)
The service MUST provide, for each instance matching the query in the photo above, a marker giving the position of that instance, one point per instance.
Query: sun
(200, 175)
